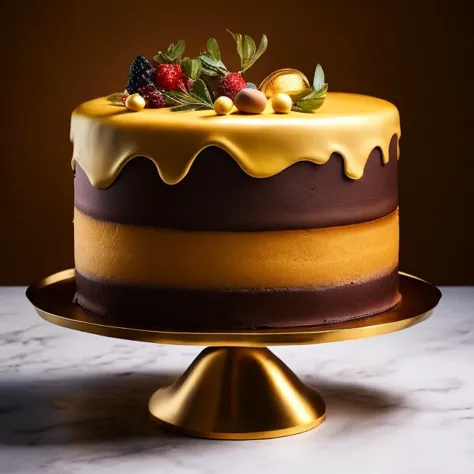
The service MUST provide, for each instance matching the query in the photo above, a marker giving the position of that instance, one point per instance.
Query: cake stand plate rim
(52, 299)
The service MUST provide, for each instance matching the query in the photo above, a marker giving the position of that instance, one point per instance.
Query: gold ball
(135, 102)
(223, 105)
(282, 103)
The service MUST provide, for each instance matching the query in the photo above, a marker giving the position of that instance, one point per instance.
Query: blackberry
(141, 74)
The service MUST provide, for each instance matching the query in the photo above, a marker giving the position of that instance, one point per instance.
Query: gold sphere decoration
(282, 103)
(223, 105)
(135, 102)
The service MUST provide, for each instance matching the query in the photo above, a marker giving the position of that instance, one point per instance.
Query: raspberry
(140, 75)
(231, 84)
(168, 76)
(153, 97)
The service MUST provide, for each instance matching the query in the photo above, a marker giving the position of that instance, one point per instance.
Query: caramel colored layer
(107, 136)
(275, 259)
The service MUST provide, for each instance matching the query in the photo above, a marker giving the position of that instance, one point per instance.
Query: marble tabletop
(77, 403)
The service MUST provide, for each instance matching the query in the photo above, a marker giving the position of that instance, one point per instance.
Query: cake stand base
(235, 389)
(238, 393)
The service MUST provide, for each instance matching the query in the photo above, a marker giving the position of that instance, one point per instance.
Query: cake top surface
(106, 137)
(338, 108)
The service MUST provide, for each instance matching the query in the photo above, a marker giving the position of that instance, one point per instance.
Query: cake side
(193, 221)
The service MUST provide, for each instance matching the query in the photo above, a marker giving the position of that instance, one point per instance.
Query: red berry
(231, 84)
(153, 97)
(168, 76)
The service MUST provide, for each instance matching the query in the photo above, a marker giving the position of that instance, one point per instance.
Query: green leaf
(238, 41)
(248, 50)
(201, 90)
(178, 50)
(177, 98)
(260, 50)
(170, 49)
(318, 80)
(211, 67)
(196, 106)
(213, 48)
(315, 94)
(161, 58)
(191, 68)
(299, 94)
(209, 72)
(310, 105)
(115, 97)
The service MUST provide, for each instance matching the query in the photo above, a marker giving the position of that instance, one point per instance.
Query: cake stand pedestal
(237, 388)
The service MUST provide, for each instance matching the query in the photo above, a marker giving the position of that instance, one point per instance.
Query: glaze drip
(107, 136)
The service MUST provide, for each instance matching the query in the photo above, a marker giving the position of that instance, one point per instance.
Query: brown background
(58, 54)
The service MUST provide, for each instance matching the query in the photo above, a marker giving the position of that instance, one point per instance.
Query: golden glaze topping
(107, 136)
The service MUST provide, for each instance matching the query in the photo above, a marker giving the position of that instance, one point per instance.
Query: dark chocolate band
(186, 309)
(218, 195)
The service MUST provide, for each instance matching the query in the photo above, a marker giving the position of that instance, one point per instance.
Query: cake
(188, 220)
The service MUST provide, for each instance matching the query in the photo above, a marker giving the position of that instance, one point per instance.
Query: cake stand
(236, 388)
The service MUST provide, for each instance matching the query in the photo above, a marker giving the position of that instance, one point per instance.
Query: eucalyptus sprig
(313, 98)
(212, 64)
(198, 99)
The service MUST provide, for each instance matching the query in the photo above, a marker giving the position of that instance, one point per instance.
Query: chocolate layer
(186, 309)
(218, 195)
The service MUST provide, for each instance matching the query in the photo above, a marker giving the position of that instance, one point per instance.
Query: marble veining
(77, 403)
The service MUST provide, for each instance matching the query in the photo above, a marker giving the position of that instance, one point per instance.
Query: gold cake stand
(236, 389)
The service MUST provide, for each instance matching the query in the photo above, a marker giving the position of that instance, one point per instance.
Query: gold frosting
(107, 136)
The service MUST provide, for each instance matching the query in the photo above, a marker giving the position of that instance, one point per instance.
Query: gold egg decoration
(288, 81)
(250, 101)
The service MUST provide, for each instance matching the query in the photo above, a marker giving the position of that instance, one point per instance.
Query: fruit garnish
(173, 72)
(230, 83)
(140, 75)
(288, 81)
(169, 76)
(153, 97)
(316, 96)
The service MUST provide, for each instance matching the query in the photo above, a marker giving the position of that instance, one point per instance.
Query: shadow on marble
(80, 409)
(357, 402)
(114, 407)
